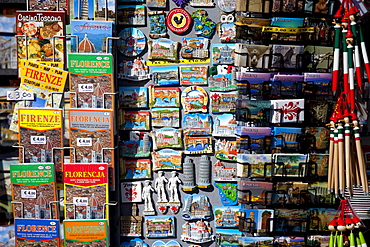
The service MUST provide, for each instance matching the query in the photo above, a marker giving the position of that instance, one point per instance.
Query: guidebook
(93, 233)
(36, 232)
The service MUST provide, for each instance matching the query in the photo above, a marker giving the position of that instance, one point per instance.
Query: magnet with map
(165, 75)
(157, 24)
(221, 78)
(224, 125)
(132, 42)
(223, 53)
(164, 49)
(223, 101)
(167, 159)
(137, 146)
(194, 48)
(194, 99)
(167, 137)
(198, 144)
(195, 75)
(196, 207)
(226, 29)
(131, 15)
(228, 193)
(135, 168)
(166, 117)
(164, 96)
(225, 149)
(196, 124)
(135, 70)
(203, 25)
(133, 97)
(134, 120)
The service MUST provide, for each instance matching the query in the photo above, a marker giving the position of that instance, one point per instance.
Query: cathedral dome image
(86, 46)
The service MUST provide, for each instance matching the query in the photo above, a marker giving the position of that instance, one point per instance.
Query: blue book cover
(27, 232)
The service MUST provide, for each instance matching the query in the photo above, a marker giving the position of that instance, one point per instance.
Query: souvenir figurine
(167, 137)
(203, 25)
(223, 53)
(189, 173)
(228, 193)
(226, 29)
(201, 3)
(197, 232)
(221, 78)
(165, 75)
(135, 70)
(198, 144)
(160, 185)
(223, 101)
(173, 187)
(194, 48)
(159, 226)
(133, 97)
(132, 42)
(164, 49)
(204, 172)
(134, 120)
(178, 19)
(197, 124)
(131, 15)
(164, 96)
(157, 24)
(166, 117)
(167, 159)
(194, 99)
(147, 195)
(196, 207)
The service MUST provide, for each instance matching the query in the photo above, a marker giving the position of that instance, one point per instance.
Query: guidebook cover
(91, 80)
(86, 191)
(92, 233)
(36, 232)
(41, 136)
(91, 135)
(33, 190)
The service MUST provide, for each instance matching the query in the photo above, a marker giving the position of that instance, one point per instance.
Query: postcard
(291, 220)
(287, 56)
(320, 218)
(288, 111)
(290, 165)
(254, 165)
(254, 191)
(253, 56)
(285, 137)
(321, 80)
(320, 164)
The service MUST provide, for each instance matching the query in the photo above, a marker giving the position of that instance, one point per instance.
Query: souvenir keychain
(157, 24)
(203, 25)
(226, 28)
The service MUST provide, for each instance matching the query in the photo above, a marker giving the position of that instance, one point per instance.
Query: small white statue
(147, 196)
(159, 186)
(173, 184)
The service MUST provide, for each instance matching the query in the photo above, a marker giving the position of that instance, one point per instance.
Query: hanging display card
(93, 233)
(36, 232)
(34, 191)
(91, 80)
(86, 191)
(41, 137)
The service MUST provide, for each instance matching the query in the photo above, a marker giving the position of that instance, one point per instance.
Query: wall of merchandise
(169, 123)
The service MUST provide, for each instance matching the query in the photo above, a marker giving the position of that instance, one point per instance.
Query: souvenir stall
(185, 123)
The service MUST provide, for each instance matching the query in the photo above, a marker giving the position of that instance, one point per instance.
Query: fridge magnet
(132, 42)
(226, 29)
(197, 232)
(204, 172)
(91, 86)
(164, 49)
(167, 137)
(223, 53)
(188, 169)
(290, 165)
(253, 56)
(178, 19)
(197, 124)
(134, 120)
(131, 15)
(133, 97)
(197, 207)
(171, 243)
(193, 75)
(201, 3)
(80, 231)
(135, 70)
(194, 48)
(157, 24)
(131, 225)
(228, 237)
(165, 75)
(32, 232)
(173, 188)
(254, 192)
(159, 226)
(228, 193)
(221, 78)
(225, 150)
(224, 125)
(194, 99)
(147, 196)
(287, 111)
(167, 159)
(131, 192)
(257, 165)
(164, 96)
(90, 36)
(159, 4)
(160, 187)
(166, 117)
(203, 25)
(134, 242)
(226, 5)
(223, 101)
(223, 171)
(34, 196)
(227, 216)
(86, 191)
(135, 169)
(282, 240)
(198, 144)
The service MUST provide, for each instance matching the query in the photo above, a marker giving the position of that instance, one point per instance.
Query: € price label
(28, 194)
(84, 142)
(20, 95)
(80, 201)
(38, 139)
(86, 88)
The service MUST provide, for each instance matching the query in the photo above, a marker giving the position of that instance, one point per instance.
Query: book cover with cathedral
(41, 137)
(92, 136)
(36, 232)
(80, 233)
(34, 191)
(86, 191)
(91, 80)
(91, 36)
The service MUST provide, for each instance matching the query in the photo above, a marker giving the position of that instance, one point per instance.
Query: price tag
(84, 142)
(80, 201)
(86, 88)
(28, 194)
(20, 95)
(38, 139)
